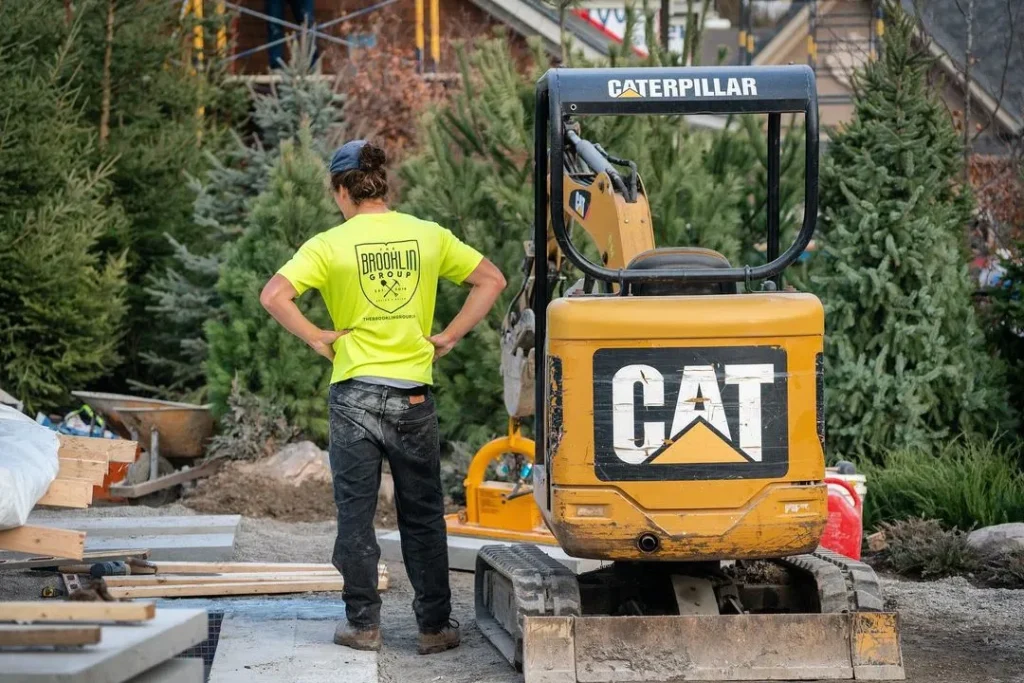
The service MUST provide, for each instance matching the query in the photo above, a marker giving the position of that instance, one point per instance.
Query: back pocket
(419, 436)
(346, 425)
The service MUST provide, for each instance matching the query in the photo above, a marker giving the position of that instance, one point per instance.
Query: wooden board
(53, 561)
(68, 493)
(243, 567)
(173, 479)
(185, 579)
(36, 636)
(92, 471)
(216, 589)
(76, 611)
(42, 540)
(92, 448)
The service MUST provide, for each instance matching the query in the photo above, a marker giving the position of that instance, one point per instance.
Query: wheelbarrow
(176, 433)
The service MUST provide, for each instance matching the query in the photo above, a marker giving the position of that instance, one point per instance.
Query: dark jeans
(302, 13)
(370, 422)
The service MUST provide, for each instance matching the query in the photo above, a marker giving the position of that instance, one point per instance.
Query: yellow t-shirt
(378, 276)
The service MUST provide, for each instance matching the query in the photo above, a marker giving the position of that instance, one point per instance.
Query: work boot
(357, 638)
(438, 640)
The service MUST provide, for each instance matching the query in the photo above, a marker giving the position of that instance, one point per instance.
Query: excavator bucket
(743, 647)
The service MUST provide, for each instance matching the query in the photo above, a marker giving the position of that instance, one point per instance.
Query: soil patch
(239, 491)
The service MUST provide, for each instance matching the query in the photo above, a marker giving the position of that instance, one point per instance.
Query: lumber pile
(215, 579)
(108, 641)
(83, 464)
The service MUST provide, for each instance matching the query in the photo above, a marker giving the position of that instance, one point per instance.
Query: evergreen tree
(1005, 325)
(61, 302)
(184, 296)
(143, 97)
(244, 342)
(905, 362)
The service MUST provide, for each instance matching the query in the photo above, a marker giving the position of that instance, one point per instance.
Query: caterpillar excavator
(678, 417)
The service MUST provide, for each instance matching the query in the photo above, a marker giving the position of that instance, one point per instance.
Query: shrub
(968, 483)
(1003, 571)
(252, 428)
(927, 550)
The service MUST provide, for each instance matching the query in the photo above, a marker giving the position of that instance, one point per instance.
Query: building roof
(997, 48)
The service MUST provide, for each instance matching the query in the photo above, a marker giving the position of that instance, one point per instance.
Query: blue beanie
(347, 156)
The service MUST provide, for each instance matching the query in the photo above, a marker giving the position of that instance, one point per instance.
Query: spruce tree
(143, 98)
(1005, 326)
(61, 300)
(184, 296)
(905, 362)
(244, 342)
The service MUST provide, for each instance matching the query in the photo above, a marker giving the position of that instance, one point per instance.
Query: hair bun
(371, 157)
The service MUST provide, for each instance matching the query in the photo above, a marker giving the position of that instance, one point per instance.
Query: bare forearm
(286, 312)
(480, 300)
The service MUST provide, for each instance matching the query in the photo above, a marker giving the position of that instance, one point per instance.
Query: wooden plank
(93, 448)
(42, 540)
(92, 471)
(242, 567)
(52, 561)
(320, 585)
(185, 579)
(68, 493)
(173, 479)
(36, 636)
(76, 611)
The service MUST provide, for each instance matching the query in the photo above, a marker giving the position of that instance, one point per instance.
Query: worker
(378, 275)
(302, 11)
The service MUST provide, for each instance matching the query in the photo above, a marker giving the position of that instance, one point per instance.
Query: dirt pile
(247, 488)
(240, 489)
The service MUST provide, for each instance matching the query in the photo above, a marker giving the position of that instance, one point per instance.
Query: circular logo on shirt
(389, 272)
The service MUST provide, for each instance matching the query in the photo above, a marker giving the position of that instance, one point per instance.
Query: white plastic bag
(28, 465)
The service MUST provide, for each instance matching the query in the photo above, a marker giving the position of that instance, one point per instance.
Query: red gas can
(845, 528)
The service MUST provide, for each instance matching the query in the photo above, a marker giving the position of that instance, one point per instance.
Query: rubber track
(865, 591)
(844, 585)
(540, 587)
(833, 593)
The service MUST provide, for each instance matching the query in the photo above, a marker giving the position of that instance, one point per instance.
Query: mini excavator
(678, 419)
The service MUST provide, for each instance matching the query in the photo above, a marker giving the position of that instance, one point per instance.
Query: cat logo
(579, 201)
(690, 413)
(389, 273)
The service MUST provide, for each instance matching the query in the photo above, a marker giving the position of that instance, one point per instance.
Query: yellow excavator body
(678, 422)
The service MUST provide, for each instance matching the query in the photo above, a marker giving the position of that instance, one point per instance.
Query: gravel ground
(952, 632)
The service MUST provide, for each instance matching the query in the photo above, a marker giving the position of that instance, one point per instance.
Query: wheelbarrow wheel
(138, 473)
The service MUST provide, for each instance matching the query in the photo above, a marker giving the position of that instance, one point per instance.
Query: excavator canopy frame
(565, 93)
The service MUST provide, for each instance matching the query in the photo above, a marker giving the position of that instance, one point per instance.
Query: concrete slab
(124, 651)
(191, 547)
(462, 552)
(257, 651)
(96, 527)
(179, 670)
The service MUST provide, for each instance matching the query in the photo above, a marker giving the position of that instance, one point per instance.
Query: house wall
(394, 26)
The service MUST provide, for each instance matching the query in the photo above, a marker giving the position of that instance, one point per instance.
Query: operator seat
(686, 258)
